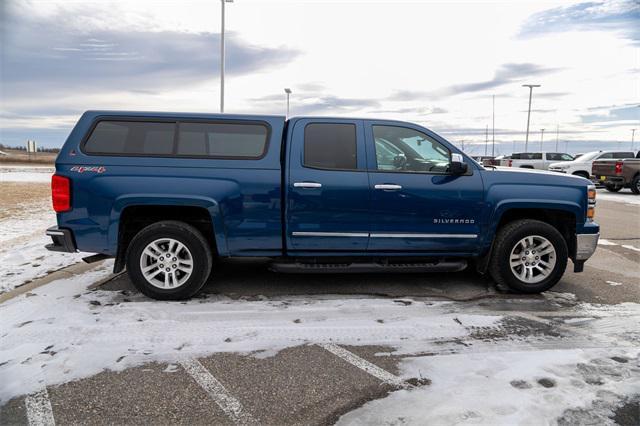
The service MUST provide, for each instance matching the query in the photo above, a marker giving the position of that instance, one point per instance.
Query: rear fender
(209, 204)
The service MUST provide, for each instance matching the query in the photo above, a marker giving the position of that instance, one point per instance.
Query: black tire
(612, 188)
(582, 174)
(635, 185)
(507, 238)
(191, 238)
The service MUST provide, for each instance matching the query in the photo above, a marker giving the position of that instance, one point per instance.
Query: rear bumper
(586, 245)
(62, 240)
(611, 180)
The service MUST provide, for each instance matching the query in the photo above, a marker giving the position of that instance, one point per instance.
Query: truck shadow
(251, 279)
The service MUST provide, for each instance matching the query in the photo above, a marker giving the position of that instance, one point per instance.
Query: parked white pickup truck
(582, 166)
(536, 160)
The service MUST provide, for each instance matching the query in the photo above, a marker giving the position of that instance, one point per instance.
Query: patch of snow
(24, 262)
(24, 167)
(30, 220)
(507, 388)
(31, 174)
(62, 332)
(619, 197)
(22, 253)
(578, 320)
(96, 330)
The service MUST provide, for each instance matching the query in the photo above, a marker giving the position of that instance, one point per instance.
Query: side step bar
(356, 267)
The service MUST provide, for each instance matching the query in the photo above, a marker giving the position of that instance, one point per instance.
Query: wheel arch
(131, 215)
(562, 216)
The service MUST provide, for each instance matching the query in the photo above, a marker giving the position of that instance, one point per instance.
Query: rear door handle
(388, 186)
(307, 185)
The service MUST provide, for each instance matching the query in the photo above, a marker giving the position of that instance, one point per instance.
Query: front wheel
(169, 260)
(612, 188)
(529, 256)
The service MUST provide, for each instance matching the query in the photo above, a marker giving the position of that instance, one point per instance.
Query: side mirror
(457, 165)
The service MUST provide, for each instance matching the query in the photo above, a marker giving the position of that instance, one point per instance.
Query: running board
(350, 268)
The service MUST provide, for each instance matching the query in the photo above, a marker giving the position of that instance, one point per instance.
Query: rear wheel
(612, 188)
(529, 256)
(635, 185)
(169, 260)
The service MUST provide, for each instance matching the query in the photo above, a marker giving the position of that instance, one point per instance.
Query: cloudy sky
(434, 63)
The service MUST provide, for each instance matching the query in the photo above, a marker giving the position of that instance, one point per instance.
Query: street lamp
(288, 92)
(222, 2)
(541, 138)
(633, 134)
(530, 86)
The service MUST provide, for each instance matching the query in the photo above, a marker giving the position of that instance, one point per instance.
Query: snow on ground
(625, 196)
(26, 173)
(89, 331)
(486, 366)
(24, 262)
(22, 237)
(510, 388)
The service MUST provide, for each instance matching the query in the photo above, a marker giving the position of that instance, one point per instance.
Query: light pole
(288, 92)
(530, 86)
(486, 140)
(541, 138)
(222, 2)
(633, 134)
(493, 131)
(557, 135)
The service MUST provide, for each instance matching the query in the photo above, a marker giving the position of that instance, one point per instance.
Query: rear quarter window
(222, 140)
(131, 137)
(178, 139)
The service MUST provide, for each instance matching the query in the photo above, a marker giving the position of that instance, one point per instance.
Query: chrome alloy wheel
(532, 259)
(166, 263)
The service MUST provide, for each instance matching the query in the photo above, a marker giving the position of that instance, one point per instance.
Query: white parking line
(230, 405)
(39, 411)
(365, 365)
(603, 242)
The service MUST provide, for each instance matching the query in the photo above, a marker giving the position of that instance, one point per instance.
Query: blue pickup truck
(166, 194)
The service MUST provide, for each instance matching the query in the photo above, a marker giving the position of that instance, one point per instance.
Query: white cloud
(354, 56)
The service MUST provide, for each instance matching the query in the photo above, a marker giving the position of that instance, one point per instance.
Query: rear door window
(330, 146)
(623, 155)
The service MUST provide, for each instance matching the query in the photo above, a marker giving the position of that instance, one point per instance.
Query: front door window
(401, 149)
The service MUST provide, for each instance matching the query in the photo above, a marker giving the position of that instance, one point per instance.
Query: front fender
(129, 200)
(503, 206)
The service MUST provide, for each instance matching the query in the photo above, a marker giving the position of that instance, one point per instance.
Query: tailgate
(603, 168)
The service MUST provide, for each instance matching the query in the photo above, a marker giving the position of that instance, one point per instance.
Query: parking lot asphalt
(318, 382)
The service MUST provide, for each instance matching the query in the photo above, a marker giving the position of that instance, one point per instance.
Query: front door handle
(388, 186)
(307, 185)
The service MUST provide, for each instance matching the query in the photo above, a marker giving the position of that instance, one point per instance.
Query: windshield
(589, 156)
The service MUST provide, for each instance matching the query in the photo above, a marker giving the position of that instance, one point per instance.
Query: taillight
(61, 193)
(618, 167)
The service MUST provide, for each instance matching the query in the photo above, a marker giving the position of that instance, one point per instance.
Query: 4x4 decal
(92, 169)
